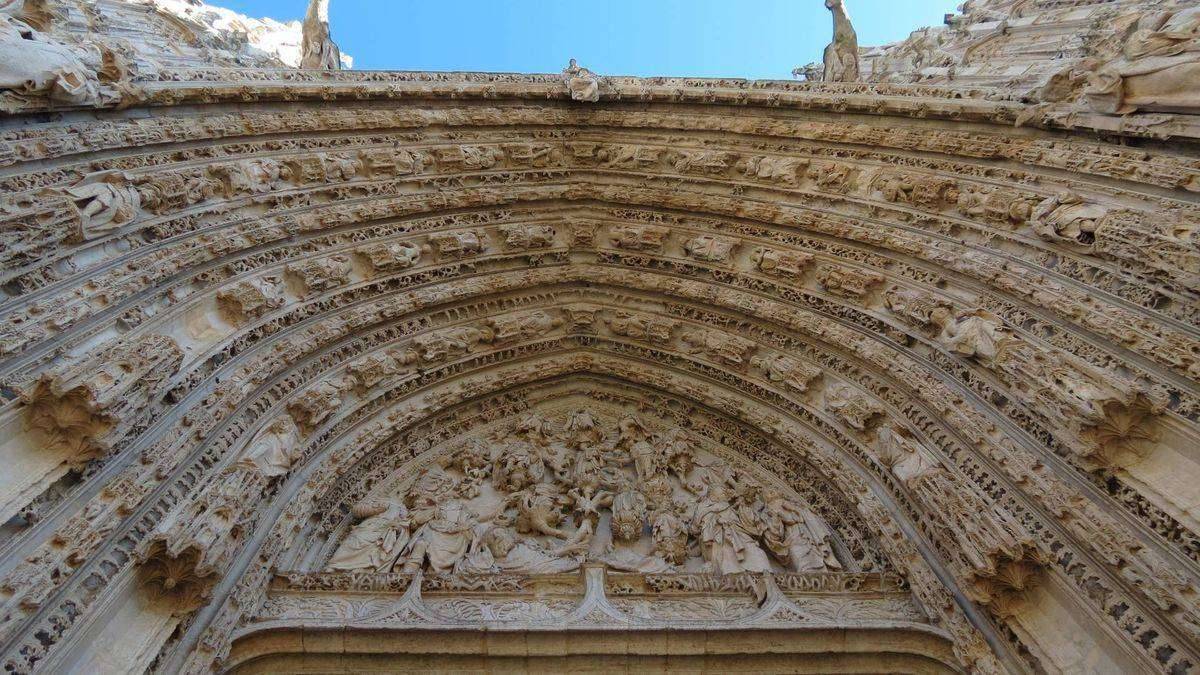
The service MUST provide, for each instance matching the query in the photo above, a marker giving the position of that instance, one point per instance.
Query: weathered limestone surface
(297, 361)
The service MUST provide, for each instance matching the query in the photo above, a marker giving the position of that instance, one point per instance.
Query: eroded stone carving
(391, 256)
(993, 550)
(35, 66)
(581, 83)
(629, 497)
(855, 408)
(1156, 69)
(317, 275)
(317, 49)
(841, 56)
(250, 299)
(104, 202)
(84, 407)
(849, 282)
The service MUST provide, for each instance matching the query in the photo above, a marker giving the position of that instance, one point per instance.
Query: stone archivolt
(493, 348)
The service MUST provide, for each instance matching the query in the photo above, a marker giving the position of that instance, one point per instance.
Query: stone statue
(1157, 69)
(796, 535)
(104, 202)
(32, 65)
(841, 56)
(444, 541)
(978, 334)
(275, 449)
(984, 534)
(1068, 218)
(582, 84)
(376, 542)
(727, 547)
(317, 49)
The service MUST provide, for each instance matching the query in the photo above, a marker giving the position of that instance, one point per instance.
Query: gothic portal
(892, 368)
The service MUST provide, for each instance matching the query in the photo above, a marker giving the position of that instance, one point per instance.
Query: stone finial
(317, 49)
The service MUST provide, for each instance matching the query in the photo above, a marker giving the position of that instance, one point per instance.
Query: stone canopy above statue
(541, 497)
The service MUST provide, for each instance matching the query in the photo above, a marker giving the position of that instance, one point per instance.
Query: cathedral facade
(891, 367)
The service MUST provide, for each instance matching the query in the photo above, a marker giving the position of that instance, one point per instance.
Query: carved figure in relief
(1003, 207)
(434, 487)
(639, 237)
(795, 374)
(457, 244)
(923, 309)
(781, 170)
(519, 466)
(848, 282)
(389, 256)
(710, 249)
(104, 202)
(587, 503)
(649, 328)
(701, 161)
(451, 342)
(582, 427)
(624, 495)
(1067, 218)
(501, 551)
(724, 347)
(789, 264)
(796, 535)
(529, 326)
(986, 535)
(317, 49)
(628, 512)
(375, 542)
(321, 274)
(250, 299)
(1156, 70)
(727, 547)
(854, 408)
(31, 65)
(646, 459)
(444, 541)
(670, 534)
(523, 237)
(540, 509)
(315, 404)
(977, 333)
(274, 450)
(629, 157)
(841, 56)
(582, 84)
(475, 463)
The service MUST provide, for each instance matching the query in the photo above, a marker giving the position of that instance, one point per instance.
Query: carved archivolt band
(580, 346)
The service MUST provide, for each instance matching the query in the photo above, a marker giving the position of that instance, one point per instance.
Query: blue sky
(729, 38)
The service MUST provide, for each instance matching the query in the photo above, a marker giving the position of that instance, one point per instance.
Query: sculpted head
(500, 541)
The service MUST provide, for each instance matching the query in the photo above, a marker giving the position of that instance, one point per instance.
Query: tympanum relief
(542, 498)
